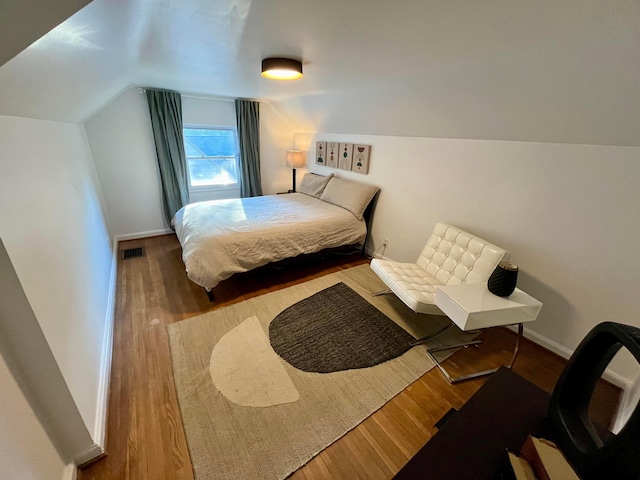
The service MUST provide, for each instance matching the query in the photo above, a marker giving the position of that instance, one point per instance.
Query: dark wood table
(472, 443)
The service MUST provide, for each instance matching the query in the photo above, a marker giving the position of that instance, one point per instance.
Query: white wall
(32, 364)
(122, 144)
(276, 137)
(25, 449)
(53, 227)
(567, 213)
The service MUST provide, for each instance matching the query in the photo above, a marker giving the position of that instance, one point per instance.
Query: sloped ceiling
(24, 21)
(549, 71)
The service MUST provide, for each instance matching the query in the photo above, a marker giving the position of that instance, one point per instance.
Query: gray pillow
(352, 196)
(313, 184)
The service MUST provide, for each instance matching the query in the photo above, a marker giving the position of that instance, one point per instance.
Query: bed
(222, 237)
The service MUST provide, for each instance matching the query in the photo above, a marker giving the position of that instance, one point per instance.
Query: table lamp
(296, 159)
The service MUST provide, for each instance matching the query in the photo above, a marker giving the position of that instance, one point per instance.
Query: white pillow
(352, 196)
(313, 184)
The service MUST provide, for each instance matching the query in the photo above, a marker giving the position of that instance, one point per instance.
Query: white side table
(472, 306)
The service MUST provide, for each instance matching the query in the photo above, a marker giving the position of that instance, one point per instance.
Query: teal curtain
(248, 120)
(165, 109)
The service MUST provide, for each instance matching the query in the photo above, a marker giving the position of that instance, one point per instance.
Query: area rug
(248, 414)
(336, 329)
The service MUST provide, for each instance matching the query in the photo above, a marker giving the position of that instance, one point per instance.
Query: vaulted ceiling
(550, 71)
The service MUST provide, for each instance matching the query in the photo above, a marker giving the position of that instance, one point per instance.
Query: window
(212, 156)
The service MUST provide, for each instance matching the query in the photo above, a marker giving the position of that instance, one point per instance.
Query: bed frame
(368, 218)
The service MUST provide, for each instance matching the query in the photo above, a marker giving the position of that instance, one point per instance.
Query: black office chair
(595, 453)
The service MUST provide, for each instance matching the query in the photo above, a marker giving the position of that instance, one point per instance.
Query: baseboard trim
(628, 402)
(135, 236)
(565, 352)
(371, 254)
(92, 453)
(70, 472)
(84, 465)
(545, 342)
(100, 428)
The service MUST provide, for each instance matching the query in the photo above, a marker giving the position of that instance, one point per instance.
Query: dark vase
(502, 281)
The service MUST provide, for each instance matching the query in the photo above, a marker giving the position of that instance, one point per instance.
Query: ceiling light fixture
(282, 68)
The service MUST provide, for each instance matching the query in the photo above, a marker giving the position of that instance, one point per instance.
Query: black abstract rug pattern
(334, 330)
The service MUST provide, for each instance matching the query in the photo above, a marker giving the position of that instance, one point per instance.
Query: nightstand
(472, 306)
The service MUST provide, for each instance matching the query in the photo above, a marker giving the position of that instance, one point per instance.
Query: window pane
(210, 143)
(190, 150)
(218, 171)
(211, 156)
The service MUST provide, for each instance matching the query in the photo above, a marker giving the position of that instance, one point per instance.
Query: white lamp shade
(296, 158)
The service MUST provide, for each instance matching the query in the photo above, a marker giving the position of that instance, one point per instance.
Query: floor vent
(132, 253)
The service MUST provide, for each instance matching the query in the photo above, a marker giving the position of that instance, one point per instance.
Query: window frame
(217, 187)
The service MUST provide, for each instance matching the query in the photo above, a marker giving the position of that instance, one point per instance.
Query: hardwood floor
(145, 438)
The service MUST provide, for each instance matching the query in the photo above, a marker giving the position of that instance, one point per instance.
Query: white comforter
(223, 237)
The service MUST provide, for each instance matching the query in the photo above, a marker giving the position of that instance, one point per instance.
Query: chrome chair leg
(470, 376)
(456, 345)
(422, 340)
(383, 292)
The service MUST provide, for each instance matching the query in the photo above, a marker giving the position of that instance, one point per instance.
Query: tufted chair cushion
(451, 256)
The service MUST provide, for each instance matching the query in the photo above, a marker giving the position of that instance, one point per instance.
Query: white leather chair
(451, 256)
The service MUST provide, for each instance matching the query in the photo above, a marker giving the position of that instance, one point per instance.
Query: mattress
(223, 237)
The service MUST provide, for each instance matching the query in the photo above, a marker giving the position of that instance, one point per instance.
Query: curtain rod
(210, 97)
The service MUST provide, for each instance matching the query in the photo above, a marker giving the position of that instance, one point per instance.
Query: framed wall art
(345, 156)
(321, 153)
(332, 154)
(361, 158)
